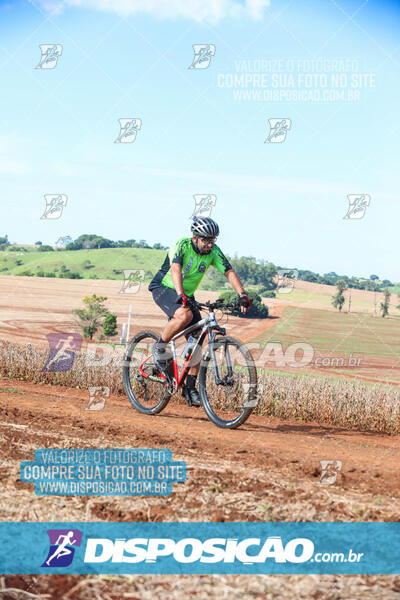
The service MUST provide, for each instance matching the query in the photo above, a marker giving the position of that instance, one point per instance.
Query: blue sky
(284, 202)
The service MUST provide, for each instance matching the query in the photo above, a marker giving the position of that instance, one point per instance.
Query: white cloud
(197, 10)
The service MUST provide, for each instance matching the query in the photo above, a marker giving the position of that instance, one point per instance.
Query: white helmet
(204, 227)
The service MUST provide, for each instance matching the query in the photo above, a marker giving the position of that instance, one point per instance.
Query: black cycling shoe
(192, 396)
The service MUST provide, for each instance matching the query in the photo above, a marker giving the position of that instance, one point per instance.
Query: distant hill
(109, 263)
(105, 263)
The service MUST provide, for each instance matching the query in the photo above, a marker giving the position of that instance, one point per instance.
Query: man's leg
(179, 316)
(181, 319)
(189, 390)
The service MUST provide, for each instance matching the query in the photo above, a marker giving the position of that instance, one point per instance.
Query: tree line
(338, 299)
(252, 271)
(359, 283)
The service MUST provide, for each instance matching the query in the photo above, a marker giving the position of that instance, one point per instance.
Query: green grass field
(336, 333)
(105, 261)
(306, 298)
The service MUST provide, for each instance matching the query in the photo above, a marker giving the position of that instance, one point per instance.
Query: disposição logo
(61, 551)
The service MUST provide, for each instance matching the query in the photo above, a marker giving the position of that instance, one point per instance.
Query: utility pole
(129, 322)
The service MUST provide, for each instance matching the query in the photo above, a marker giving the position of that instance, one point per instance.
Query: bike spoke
(143, 383)
(232, 398)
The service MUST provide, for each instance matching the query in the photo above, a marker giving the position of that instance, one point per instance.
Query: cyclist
(176, 281)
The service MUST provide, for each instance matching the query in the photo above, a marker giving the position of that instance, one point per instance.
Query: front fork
(227, 379)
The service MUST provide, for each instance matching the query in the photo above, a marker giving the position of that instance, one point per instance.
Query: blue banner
(196, 548)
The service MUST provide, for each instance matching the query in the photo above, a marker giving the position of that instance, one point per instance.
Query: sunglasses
(208, 241)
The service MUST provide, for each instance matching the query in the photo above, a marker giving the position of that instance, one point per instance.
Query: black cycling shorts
(166, 299)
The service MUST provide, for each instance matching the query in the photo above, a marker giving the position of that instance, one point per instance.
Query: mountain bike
(227, 376)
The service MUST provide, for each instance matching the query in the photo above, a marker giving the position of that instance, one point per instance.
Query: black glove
(183, 299)
(244, 300)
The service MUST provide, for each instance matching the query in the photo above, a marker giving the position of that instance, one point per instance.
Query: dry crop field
(268, 470)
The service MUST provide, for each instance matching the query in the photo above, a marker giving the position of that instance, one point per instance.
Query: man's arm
(176, 275)
(221, 263)
(235, 282)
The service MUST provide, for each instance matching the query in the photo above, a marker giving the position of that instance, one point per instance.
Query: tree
(374, 277)
(306, 275)
(45, 248)
(110, 325)
(256, 310)
(338, 298)
(91, 316)
(38, 243)
(385, 303)
(90, 240)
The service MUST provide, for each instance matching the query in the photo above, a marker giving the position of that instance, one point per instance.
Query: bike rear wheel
(229, 403)
(144, 387)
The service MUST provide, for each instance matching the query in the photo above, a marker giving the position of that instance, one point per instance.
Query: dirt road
(268, 470)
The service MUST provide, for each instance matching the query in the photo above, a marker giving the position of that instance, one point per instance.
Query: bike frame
(208, 324)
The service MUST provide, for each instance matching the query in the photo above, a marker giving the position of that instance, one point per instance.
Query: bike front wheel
(144, 387)
(228, 383)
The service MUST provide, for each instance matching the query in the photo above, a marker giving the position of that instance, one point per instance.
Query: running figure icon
(63, 543)
(62, 549)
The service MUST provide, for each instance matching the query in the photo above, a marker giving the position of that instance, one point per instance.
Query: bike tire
(252, 391)
(129, 369)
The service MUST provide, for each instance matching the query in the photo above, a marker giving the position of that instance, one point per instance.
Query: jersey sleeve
(220, 262)
(177, 252)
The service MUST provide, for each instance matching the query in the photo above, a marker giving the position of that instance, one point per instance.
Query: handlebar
(220, 304)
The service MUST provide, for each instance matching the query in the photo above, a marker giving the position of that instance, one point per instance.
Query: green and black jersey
(194, 265)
